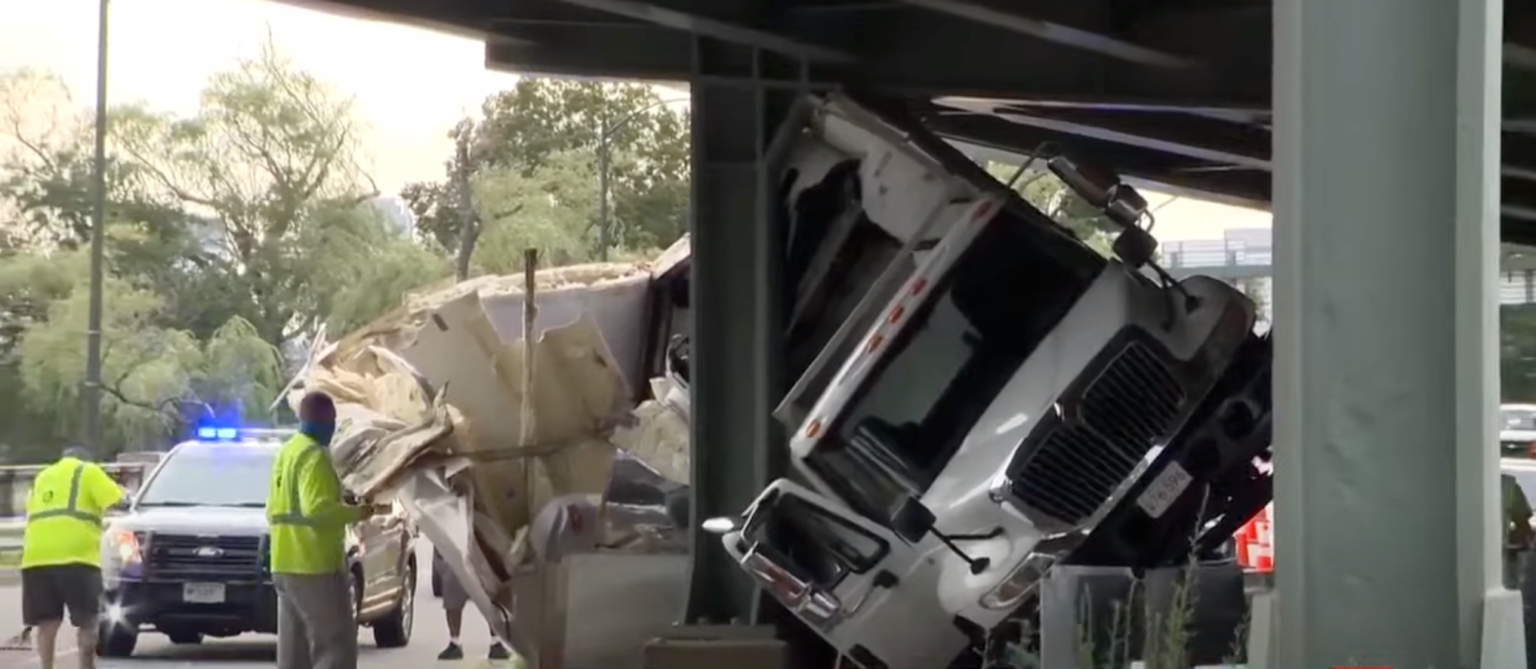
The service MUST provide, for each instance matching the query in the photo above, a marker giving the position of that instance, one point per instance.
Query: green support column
(1386, 196)
(737, 301)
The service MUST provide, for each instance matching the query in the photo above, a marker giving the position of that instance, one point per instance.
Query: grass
(1136, 631)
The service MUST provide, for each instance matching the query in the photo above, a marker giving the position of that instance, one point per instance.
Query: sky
(410, 84)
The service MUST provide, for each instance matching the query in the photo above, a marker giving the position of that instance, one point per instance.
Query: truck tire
(115, 640)
(394, 629)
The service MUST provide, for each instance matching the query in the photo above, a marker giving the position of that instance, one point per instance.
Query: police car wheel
(115, 641)
(184, 637)
(394, 629)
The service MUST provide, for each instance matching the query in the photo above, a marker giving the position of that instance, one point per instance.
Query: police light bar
(218, 433)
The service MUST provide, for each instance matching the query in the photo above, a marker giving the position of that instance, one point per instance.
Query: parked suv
(190, 557)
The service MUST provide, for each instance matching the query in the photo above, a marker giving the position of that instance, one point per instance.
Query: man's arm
(32, 493)
(104, 491)
(318, 482)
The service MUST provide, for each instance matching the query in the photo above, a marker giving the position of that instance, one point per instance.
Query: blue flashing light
(216, 433)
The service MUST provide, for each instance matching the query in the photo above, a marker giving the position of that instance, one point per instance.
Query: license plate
(1165, 489)
(202, 593)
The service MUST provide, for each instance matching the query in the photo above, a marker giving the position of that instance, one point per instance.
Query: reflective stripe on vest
(294, 515)
(72, 506)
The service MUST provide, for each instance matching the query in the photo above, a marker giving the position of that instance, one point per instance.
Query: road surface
(250, 651)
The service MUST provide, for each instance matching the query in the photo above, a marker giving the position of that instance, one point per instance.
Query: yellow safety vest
(304, 508)
(64, 512)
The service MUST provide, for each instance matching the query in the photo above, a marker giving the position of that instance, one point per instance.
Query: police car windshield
(230, 475)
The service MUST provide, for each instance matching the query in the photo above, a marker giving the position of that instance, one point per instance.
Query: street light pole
(98, 243)
(604, 236)
(605, 164)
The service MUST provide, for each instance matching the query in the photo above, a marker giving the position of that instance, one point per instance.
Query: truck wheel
(394, 629)
(115, 640)
(184, 637)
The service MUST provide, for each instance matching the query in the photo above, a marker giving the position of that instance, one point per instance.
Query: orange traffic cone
(1262, 550)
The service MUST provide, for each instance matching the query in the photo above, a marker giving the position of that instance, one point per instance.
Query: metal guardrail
(1235, 259)
(16, 485)
(1189, 254)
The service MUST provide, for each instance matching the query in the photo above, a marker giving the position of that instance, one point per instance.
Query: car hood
(194, 520)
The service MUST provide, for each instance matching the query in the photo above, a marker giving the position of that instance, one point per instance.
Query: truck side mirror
(912, 521)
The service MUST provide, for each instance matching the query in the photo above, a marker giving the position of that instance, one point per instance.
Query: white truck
(1016, 401)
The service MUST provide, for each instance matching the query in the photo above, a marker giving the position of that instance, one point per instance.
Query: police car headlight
(122, 546)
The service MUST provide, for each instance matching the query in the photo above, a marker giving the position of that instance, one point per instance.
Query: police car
(189, 557)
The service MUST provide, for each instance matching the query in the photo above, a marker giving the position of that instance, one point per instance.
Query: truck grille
(1076, 466)
(173, 555)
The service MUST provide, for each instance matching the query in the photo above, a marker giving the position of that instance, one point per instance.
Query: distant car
(1517, 429)
(190, 557)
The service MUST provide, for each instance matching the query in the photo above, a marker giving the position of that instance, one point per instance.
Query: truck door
(867, 592)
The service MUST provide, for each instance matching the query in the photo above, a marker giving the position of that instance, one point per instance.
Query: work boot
(452, 652)
(499, 652)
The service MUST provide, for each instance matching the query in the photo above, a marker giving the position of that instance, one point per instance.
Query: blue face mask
(320, 432)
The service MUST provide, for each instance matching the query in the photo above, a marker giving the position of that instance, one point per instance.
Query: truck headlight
(123, 546)
(1019, 583)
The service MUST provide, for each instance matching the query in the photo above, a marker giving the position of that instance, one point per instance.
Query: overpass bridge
(1383, 134)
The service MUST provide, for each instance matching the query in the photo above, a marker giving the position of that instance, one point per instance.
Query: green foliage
(549, 126)
(221, 225)
(1048, 194)
(152, 376)
(545, 208)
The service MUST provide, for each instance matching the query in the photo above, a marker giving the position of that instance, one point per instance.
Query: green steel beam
(738, 304)
(1386, 158)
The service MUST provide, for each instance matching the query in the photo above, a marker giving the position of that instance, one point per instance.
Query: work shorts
(455, 597)
(46, 592)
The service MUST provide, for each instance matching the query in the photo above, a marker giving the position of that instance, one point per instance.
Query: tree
(547, 209)
(368, 267)
(153, 377)
(271, 153)
(230, 232)
(540, 122)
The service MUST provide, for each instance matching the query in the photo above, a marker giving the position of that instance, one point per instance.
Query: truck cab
(1008, 406)
(188, 558)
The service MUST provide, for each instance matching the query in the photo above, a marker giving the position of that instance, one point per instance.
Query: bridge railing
(1236, 259)
(16, 485)
(1215, 253)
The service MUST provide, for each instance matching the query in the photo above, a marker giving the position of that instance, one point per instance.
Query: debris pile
(440, 409)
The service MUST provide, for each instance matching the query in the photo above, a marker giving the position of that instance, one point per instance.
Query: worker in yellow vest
(61, 552)
(316, 625)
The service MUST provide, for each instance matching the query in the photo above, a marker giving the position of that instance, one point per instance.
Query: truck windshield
(217, 476)
(1003, 295)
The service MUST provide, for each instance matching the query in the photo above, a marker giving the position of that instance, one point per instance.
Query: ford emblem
(209, 552)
